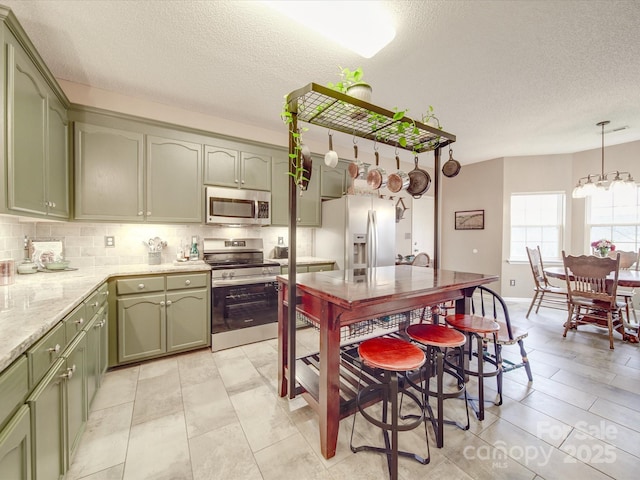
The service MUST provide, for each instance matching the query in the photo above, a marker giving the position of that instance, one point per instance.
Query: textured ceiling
(508, 78)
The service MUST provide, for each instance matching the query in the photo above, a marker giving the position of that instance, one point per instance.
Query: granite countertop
(36, 302)
(302, 260)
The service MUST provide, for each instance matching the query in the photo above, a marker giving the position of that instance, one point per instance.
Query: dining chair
(421, 260)
(556, 297)
(627, 261)
(592, 284)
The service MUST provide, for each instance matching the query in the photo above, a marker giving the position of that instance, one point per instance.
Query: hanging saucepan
(377, 177)
(331, 157)
(451, 167)
(356, 169)
(398, 180)
(419, 181)
(306, 165)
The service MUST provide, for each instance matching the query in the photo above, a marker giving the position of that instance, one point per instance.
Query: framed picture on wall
(470, 220)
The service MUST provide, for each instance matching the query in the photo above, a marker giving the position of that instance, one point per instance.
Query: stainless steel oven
(234, 206)
(244, 297)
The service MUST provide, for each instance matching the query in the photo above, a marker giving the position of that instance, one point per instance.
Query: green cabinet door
(334, 181)
(228, 167)
(15, 447)
(309, 207)
(92, 330)
(57, 167)
(47, 424)
(174, 181)
(76, 412)
(103, 355)
(187, 319)
(109, 174)
(221, 166)
(141, 327)
(26, 132)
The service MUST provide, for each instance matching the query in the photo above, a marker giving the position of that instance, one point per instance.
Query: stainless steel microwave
(233, 206)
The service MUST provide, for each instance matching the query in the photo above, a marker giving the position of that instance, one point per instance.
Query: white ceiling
(508, 78)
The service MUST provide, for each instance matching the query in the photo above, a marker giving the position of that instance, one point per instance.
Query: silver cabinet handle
(168, 303)
(70, 372)
(104, 293)
(162, 303)
(140, 286)
(103, 323)
(55, 349)
(53, 204)
(140, 213)
(148, 214)
(187, 282)
(95, 304)
(80, 321)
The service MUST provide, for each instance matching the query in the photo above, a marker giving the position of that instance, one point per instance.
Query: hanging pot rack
(328, 108)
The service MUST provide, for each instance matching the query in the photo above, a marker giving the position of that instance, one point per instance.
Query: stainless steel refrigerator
(357, 232)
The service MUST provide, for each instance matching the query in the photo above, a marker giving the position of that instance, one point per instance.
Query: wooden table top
(348, 287)
(626, 278)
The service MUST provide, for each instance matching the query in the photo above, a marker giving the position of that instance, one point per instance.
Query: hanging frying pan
(398, 180)
(419, 181)
(307, 165)
(377, 177)
(451, 167)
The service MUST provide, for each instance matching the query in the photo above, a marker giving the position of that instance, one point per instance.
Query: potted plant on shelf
(351, 84)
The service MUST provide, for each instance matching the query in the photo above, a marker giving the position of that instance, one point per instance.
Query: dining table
(341, 302)
(626, 278)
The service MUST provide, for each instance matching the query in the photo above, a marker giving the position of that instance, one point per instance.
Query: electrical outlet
(280, 240)
(512, 283)
(109, 241)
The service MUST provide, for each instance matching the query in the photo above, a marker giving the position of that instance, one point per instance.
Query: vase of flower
(602, 247)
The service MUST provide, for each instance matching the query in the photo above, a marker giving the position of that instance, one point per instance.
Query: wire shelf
(336, 111)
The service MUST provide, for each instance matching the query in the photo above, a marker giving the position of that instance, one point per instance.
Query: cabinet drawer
(321, 267)
(193, 280)
(14, 385)
(96, 300)
(75, 322)
(140, 285)
(44, 353)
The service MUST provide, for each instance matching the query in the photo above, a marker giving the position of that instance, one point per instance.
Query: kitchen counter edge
(35, 303)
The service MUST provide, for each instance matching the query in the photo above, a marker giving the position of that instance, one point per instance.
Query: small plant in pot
(351, 84)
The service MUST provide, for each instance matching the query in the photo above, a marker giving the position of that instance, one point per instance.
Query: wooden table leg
(329, 391)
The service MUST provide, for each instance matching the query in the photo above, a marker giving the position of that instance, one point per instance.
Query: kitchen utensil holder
(154, 258)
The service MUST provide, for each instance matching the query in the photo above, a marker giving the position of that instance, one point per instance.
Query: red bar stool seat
(437, 339)
(390, 356)
(478, 327)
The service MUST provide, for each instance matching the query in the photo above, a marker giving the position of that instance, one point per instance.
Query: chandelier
(595, 182)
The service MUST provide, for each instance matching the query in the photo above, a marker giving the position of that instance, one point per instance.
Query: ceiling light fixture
(364, 27)
(595, 182)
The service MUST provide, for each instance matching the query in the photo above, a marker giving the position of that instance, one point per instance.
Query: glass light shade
(578, 192)
(589, 188)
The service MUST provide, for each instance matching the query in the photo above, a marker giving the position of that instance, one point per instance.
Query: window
(537, 219)
(616, 218)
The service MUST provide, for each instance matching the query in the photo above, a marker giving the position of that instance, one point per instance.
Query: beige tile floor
(206, 416)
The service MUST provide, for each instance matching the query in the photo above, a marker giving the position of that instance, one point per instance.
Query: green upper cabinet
(335, 181)
(228, 167)
(109, 174)
(174, 181)
(309, 207)
(37, 132)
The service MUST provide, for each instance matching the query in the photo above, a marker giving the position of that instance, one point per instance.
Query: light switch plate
(109, 241)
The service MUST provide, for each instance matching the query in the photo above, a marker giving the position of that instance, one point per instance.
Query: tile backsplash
(84, 243)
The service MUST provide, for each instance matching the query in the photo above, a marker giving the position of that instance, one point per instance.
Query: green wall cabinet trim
(174, 181)
(159, 315)
(36, 140)
(109, 174)
(15, 446)
(14, 385)
(309, 207)
(48, 424)
(227, 167)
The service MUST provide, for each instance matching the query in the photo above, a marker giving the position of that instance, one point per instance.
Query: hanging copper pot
(377, 177)
(398, 180)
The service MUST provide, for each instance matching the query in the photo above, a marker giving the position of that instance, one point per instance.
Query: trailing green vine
(295, 157)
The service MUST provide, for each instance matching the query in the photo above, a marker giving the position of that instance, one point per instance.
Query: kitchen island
(344, 300)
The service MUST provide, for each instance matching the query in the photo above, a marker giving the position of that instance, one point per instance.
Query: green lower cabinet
(141, 327)
(76, 395)
(185, 328)
(97, 352)
(47, 424)
(15, 447)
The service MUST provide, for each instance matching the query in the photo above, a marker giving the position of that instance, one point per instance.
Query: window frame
(612, 225)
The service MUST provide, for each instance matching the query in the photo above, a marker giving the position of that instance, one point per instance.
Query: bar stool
(390, 356)
(478, 327)
(437, 339)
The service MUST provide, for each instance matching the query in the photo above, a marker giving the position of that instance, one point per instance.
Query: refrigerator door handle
(372, 239)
